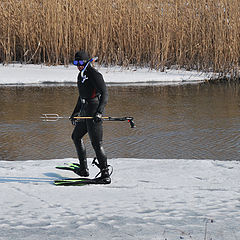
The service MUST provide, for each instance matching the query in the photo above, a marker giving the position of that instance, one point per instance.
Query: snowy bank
(148, 199)
(40, 74)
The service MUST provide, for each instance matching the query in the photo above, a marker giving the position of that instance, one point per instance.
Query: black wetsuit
(93, 97)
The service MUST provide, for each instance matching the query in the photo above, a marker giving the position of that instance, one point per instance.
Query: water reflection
(189, 121)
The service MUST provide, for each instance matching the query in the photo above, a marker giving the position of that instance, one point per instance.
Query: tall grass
(195, 34)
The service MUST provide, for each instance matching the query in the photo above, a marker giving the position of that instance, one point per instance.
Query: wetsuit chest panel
(93, 86)
(86, 89)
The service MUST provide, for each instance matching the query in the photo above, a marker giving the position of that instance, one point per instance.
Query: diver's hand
(97, 117)
(72, 119)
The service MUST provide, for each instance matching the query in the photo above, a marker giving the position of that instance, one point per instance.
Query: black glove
(97, 117)
(72, 119)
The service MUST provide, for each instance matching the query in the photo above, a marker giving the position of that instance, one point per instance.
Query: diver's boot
(105, 176)
(83, 170)
(104, 170)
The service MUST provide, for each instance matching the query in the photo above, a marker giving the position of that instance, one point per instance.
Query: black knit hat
(81, 55)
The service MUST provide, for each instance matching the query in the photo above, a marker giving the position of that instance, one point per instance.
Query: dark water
(173, 122)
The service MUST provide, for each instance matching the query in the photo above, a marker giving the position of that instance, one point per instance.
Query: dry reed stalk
(195, 34)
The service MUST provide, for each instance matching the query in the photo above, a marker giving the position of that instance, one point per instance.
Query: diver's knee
(73, 136)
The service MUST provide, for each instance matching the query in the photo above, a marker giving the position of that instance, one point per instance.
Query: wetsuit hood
(81, 55)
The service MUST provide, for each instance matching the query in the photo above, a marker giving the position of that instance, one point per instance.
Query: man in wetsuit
(93, 97)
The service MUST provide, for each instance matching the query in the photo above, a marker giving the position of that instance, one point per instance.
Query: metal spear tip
(49, 117)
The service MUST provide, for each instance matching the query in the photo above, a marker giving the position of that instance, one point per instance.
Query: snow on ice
(147, 199)
(40, 74)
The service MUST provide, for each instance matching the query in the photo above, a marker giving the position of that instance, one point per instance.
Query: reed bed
(194, 34)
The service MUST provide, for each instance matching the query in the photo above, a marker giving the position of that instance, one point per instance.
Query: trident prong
(50, 117)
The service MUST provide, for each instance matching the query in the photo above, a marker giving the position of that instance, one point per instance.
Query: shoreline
(32, 74)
